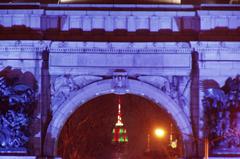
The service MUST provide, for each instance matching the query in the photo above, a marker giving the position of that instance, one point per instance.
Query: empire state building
(120, 138)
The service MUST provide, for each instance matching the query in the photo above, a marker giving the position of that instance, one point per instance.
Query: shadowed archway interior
(88, 132)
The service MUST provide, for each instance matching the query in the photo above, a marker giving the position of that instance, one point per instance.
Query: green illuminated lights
(119, 132)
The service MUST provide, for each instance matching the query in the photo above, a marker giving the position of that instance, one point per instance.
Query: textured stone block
(19, 19)
(142, 22)
(87, 23)
(98, 22)
(206, 23)
(120, 60)
(120, 22)
(176, 24)
(75, 22)
(165, 23)
(35, 22)
(52, 22)
(109, 23)
(7, 20)
(64, 20)
(154, 25)
(220, 21)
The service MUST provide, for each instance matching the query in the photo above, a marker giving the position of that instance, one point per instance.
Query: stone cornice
(26, 46)
(59, 22)
(115, 6)
(216, 47)
(119, 51)
(122, 48)
(12, 46)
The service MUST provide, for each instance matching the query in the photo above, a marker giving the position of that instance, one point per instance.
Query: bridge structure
(164, 53)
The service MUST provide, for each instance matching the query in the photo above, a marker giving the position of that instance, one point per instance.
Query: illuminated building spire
(119, 132)
(119, 116)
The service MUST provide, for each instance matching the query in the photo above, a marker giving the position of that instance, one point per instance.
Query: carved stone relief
(120, 81)
(175, 87)
(17, 101)
(222, 117)
(62, 87)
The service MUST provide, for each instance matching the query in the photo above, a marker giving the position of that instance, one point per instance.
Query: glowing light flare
(168, 1)
(71, 1)
(67, 1)
(173, 144)
(159, 132)
(176, 1)
(158, 1)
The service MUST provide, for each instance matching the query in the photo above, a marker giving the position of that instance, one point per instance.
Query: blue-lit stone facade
(165, 54)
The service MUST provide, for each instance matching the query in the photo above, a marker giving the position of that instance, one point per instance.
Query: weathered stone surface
(79, 69)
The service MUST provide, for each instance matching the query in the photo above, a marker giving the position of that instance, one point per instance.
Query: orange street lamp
(159, 132)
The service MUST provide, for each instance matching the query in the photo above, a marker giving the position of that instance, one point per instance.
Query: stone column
(194, 100)
(45, 97)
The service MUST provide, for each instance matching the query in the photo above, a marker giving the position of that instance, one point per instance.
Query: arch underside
(103, 87)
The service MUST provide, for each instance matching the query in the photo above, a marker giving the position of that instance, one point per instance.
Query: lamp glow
(159, 132)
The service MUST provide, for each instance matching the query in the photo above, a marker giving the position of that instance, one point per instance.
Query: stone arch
(105, 87)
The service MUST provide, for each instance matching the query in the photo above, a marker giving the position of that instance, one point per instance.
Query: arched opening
(64, 112)
(87, 134)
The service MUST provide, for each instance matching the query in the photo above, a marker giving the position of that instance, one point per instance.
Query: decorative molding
(120, 81)
(120, 47)
(26, 46)
(176, 19)
(213, 46)
(62, 87)
(20, 49)
(23, 46)
(161, 82)
(120, 51)
(176, 87)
